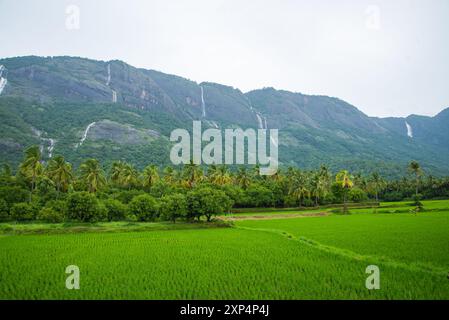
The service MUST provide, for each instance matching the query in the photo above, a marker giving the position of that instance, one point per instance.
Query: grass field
(318, 257)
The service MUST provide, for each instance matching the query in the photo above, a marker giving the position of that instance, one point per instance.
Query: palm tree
(299, 188)
(360, 181)
(325, 177)
(60, 172)
(415, 168)
(116, 173)
(221, 176)
(151, 175)
(255, 172)
(318, 186)
(130, 176)
(169, 175)
(377, 183)
(92, 175)
(31, 167)
(192, 173)
(243, 178)
(343, 179)
(212, 172)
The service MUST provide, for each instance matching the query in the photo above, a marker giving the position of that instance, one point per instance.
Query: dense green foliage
(55, 192)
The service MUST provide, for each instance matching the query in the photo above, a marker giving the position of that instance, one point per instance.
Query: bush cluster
(83, 206)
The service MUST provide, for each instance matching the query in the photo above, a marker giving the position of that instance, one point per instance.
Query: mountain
(110, 110)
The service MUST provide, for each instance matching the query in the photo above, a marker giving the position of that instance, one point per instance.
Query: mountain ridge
(313, 128)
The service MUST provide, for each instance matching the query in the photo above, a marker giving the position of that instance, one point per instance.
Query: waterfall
(212, 123)
(3, 80)
(108, 81)
(85, 133)
(262, 121)
(203, 104)
(259, 119)
(409, 130)
(51, 147)
(51, 142)
(3, 83)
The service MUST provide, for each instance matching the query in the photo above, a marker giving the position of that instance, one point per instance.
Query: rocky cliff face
(61, 96)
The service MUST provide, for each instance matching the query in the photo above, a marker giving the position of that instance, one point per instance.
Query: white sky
(388, 58)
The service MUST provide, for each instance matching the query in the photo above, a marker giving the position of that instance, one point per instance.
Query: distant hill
(110, 110)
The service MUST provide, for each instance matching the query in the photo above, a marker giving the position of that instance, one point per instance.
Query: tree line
(54, 191)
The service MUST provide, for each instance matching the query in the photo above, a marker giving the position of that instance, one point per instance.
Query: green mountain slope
(110, 110)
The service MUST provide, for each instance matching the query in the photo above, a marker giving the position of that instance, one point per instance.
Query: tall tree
(130, 176)
(415, 168)
(343, 179)
(318, 187)
(243, 178)
(92, 174)
(60, 172)
(170, 175)
(150, 176)
(221, 176)
(116, 173)
(299, 188)
(31, 167)
(376, 184)
(192, 174)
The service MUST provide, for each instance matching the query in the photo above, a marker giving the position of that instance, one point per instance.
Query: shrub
(13, 195)
(417, 203)
(307, 202)
(130, 218)
(338, 191)
(393, 196)
(259, 196)
(208, 202)
(160, 188)
(45, 190)
(84, 206)
(4, 212)
(235, 193)
(126, 196)
(357, 195)
(173, 207)
(144, 207)
(23, 211)
(290, 201)
(50, 215)
(58, 205)
(115, 210)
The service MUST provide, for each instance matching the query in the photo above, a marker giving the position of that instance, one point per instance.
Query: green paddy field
(303, 254)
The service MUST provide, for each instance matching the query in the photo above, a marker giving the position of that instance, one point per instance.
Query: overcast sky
(388, 58)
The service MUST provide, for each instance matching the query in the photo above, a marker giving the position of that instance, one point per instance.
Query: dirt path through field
(273, 216)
